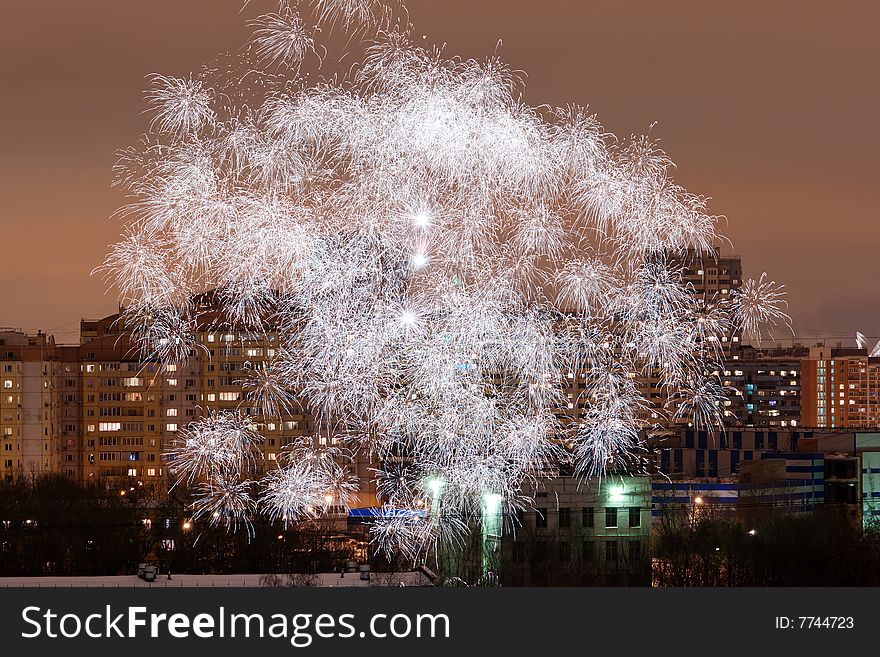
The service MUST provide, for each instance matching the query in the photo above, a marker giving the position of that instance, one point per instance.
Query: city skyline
(753, 121)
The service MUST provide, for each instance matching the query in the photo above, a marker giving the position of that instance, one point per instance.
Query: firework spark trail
(440, 261)
(760, 304)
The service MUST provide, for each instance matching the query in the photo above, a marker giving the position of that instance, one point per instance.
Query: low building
(591, 532)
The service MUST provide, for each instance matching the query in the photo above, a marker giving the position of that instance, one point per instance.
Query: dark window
(588, 519)
(588, 551)
(611, 550)
(540, 518)
(564, 518)
(759, 440)
(564, 551)
(635, 516)
(737, 439)
(635, 549)
(540, 553)
(610, 517)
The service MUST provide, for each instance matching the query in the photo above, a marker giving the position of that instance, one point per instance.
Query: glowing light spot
(492, 502)
(615, 493)
(422, 219)
(435, 484)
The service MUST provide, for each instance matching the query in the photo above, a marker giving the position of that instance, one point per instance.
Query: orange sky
(768, 107)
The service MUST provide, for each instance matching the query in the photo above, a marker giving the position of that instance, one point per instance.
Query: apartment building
(132, 409)
(764, 387)
(841, 388)
(29, 404)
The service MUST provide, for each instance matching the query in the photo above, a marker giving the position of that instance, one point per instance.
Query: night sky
(769, 108)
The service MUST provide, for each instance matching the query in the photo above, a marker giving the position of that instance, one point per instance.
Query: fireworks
(759, 304)
(282, 38)
(441, 264)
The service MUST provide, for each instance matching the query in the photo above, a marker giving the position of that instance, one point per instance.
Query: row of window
(588, 517)
(541, 551)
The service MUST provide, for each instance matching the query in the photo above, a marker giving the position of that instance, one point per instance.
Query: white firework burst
(760, 305)
(217, 447)
(439, 264)
(225, 502)
(182, 107)
(282, 37)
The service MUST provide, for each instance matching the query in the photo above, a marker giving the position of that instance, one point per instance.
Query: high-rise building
(123, 411)
(29, 404)
(841, 388)
(764, 387)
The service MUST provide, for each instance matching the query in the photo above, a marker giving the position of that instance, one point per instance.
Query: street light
(434, 485)
(615, 493)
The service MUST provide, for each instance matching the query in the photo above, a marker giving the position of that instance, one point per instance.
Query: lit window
(171, 412)
(172, 382)
(7, 384)
(171, 427)
(212, 396)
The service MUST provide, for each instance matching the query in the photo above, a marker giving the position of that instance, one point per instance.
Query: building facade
(595, 532)
(841, 389)
(30, 409)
